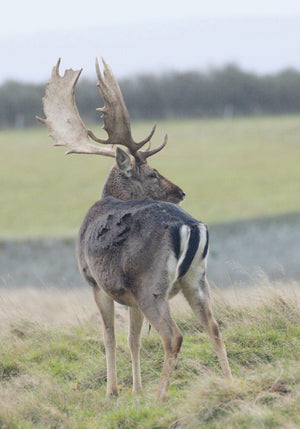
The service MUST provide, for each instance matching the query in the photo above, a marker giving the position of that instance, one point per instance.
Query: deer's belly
(122, 297)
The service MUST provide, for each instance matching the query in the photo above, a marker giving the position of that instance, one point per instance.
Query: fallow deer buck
(135, 245)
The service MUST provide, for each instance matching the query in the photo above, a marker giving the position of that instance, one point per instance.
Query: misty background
(175, 69)
(172, 59)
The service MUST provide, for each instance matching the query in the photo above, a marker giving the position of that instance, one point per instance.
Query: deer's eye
(153, 175)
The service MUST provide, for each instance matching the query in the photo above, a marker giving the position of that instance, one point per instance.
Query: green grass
(229, 170)
(55, 377)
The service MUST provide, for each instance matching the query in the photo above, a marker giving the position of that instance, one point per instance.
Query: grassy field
(229, 170)
(52, 359)
(52, 364)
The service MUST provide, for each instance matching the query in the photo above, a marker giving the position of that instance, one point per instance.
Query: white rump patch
(185, 233)
(198, 266)
(203, 239)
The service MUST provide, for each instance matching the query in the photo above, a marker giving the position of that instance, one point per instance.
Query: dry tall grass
(61, 307)
(52, 363)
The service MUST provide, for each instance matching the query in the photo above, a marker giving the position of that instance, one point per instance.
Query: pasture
(239, 169)
(52, 364)
(52, 359)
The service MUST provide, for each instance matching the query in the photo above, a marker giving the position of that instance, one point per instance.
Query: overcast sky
(24, 17)
(33, 34)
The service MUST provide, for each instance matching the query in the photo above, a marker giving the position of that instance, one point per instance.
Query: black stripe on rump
(175, 236)
(206, 244)
(191, 251)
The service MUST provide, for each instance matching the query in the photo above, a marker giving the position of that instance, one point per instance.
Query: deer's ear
(123, 162)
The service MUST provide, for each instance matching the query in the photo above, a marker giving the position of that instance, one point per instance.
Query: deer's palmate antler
(67, 128)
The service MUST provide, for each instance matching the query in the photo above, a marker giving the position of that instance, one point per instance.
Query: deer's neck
(120, 187)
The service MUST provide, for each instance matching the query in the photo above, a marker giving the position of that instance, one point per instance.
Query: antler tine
(145, 154)
(62, 117)
(147, 139)
(55, 73)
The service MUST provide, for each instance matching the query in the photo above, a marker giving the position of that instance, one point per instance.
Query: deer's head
(131, 177)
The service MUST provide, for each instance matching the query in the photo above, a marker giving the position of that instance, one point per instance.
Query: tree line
(227, 91)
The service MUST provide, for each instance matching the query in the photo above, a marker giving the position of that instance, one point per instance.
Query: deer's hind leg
(106, 307)
(197, 294)
(156, 310)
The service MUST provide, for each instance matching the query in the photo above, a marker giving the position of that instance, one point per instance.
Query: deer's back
(123, 243)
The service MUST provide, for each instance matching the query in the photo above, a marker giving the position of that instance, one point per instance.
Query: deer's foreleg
(106, 307)
(135, 326)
